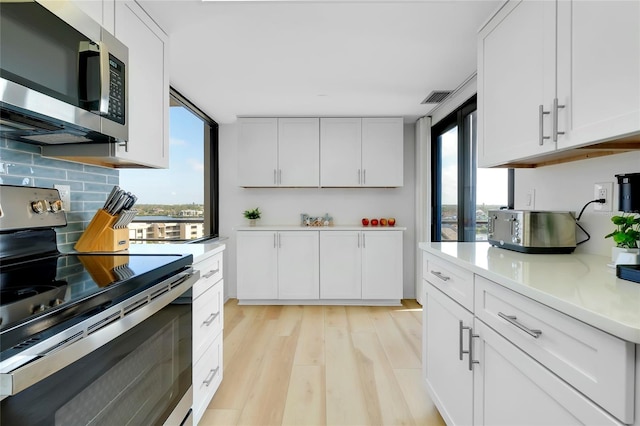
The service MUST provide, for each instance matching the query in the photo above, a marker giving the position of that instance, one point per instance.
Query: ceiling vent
(436, 97)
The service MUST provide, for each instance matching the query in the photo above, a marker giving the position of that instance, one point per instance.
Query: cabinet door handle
(212, 272)
(439, 275)
(364, 241)
(210, 376)
(279, 241)
(461, 342)
(211, 319)
(471, 360)
(280, 176)
(541, 114)
(555, 120)
(512, 319)
(358, 240)
(275, 177)
(364, 176)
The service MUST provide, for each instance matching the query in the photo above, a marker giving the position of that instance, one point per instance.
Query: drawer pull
(471, 360)
(210, 376)
(512, 319)
(461, 351)
(211, 272)
(211, 319)
(439, 275)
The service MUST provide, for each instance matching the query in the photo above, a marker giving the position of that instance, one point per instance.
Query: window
(463, 194)
(179, 203)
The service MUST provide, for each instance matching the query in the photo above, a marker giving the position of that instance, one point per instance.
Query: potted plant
(252, 215)
(626, 235)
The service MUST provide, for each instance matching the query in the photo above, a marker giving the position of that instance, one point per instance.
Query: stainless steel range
(88, 338)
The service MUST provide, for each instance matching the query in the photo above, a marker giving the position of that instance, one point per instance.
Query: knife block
(101, 237)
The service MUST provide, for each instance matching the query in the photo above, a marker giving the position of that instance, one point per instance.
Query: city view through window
(171, 201)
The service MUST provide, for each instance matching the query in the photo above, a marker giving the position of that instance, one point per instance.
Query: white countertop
(319, 228)
(199, 251)
(579, 285)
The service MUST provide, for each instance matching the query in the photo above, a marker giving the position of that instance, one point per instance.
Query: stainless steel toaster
(530, 231)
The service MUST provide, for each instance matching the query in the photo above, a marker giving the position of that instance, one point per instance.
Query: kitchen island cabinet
(553, 339)
(326, 265)
(558, 75)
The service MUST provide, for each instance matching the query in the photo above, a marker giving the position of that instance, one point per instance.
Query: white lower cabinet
(510, 360)
(447, 327)
(309, 265)
(363, 265)
(278, 265)
(208, 322)
(511, 388)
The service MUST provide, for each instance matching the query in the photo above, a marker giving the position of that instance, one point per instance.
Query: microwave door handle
(105, 78)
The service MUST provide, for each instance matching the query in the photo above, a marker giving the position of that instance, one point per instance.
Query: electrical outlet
(530, 199)
(603, 190)
(65, 196)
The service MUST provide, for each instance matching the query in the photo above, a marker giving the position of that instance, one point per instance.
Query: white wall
(283, 206)
(569, 187)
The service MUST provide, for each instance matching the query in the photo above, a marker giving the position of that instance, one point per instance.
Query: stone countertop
(579, 285)
(199, 251)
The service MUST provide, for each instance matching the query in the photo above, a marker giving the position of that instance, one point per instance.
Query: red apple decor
(383, 222)
(365, 221)
(374, 222)
(391, 221)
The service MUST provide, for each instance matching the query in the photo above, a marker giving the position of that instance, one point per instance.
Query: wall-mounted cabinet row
(554, 75)
(327, 152)
(319, 265)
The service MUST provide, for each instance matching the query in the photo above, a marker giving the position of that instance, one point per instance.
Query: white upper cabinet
(598, 70)
(340, 152)
(148, 143)
(298, 152)
(257, 151)
(543, 90)
(278, 152)
(515, 77)
(361, 152)
(382, 152)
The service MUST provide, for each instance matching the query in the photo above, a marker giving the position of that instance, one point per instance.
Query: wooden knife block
(101, 237)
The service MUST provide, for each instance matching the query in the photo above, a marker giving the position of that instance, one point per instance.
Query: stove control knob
(39, 206)
(55, 206)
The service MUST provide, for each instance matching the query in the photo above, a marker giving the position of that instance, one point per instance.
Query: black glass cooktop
(37, 295)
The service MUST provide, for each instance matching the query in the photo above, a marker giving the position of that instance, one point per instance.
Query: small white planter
(625, 256)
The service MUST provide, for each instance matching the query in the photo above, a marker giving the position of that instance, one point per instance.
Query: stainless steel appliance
(63, 78)
(88, 338)
(529, 231)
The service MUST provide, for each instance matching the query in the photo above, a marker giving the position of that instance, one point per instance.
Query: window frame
(467, 175)
(211, 166)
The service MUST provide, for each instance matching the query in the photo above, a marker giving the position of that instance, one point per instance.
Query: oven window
(138, 378)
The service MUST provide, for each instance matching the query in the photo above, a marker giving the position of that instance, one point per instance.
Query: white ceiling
(319, 58)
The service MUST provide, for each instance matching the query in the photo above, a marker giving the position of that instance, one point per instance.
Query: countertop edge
(319, 228)
(606, 324)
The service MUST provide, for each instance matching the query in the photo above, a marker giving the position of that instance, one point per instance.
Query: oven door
(143, 377)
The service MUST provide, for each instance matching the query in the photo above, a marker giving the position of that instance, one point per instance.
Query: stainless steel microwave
(63, 78)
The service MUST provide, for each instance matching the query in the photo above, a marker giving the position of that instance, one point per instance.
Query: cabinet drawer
(210, 273)
(207, 376)
(454, 281)
(596, 363)
(208, 318)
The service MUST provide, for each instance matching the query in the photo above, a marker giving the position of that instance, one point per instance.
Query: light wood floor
(322, 365)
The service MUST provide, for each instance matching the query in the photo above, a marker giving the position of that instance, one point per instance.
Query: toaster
(530, 231)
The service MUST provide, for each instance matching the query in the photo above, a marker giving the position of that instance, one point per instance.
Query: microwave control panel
(117, 90)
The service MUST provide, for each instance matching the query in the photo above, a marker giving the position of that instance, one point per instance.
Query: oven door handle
(47, 358)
